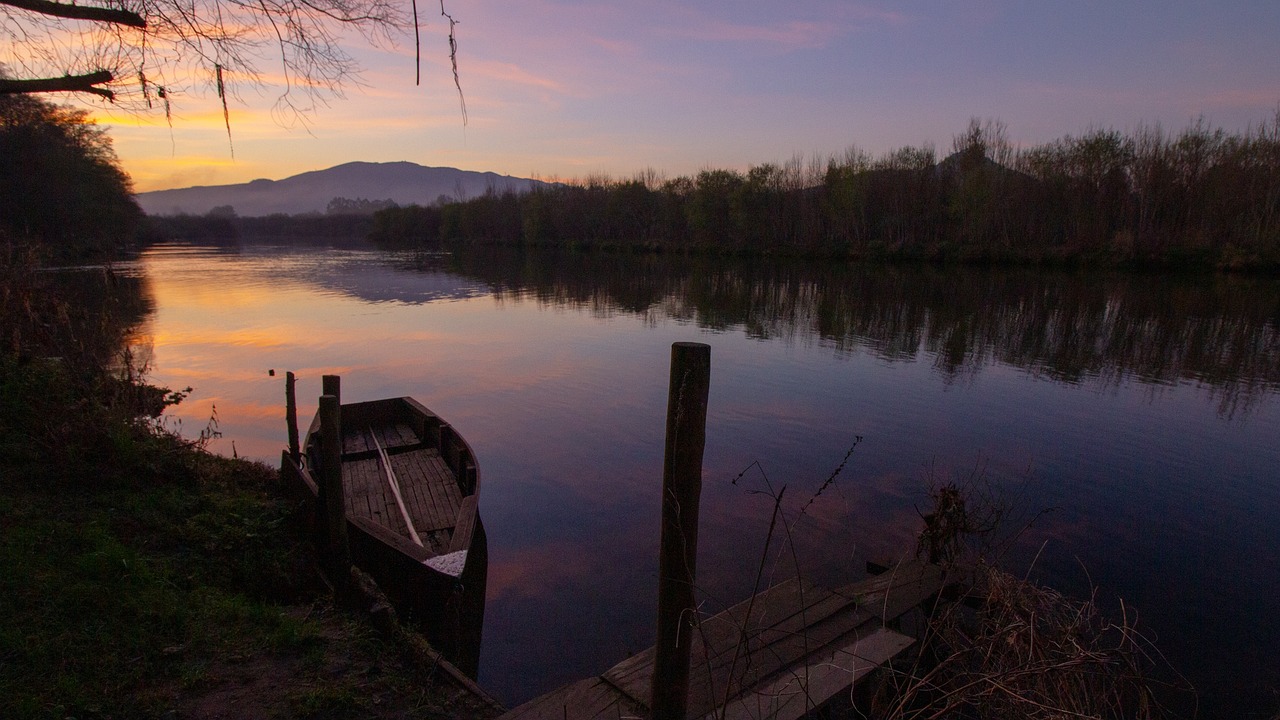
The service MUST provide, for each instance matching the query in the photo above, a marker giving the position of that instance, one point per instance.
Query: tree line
(1201, 196)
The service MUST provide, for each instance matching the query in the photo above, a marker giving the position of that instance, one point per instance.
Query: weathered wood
(790, 694)
(332, 385)
(331, 500)
(385, 463)
(382, 434)
(687, 394)
(779, 655)
(465, 525)
(291, 415)
(584, 700)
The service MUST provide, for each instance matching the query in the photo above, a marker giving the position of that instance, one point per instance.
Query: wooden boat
(410, 485)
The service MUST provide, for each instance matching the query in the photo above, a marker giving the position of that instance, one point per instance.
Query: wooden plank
(441, 486)
(355, 481)
(421, 490)
(790, 694)
(465, 525)
(787, 623)
(416, 496)
(384, 463)
(898, 590)
(776, 613)
(589, 699)
(735, 674)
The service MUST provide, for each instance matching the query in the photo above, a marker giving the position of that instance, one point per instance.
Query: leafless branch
(80, 12)
(88, 82)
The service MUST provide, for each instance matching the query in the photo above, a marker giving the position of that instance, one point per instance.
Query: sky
(573, 88)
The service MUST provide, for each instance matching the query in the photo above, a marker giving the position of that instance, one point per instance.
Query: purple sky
(569, 89)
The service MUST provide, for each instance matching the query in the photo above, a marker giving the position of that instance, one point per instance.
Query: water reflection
(1220, 332)
(1141, 408)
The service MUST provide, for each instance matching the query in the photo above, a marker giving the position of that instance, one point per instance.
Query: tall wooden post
(330, 504)
(681, 491)
(291, 415)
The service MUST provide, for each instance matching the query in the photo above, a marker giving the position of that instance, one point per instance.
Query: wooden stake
(681, 491)
(331, 503)
(291, 415)
(331, 385)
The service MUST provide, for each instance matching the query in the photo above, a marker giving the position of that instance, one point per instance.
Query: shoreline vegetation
(146, 576)
(1199, 199)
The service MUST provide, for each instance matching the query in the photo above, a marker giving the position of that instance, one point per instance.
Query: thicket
(61, 186)
(1201, 196)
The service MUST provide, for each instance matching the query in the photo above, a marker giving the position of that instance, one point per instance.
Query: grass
(144, 577)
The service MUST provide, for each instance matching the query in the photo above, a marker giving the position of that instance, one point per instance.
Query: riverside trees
(1200, 197)
(60, 182)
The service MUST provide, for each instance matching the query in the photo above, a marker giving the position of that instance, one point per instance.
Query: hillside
(405, 183)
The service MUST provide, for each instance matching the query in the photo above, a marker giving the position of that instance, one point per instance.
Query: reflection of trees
(84, 316)
(1222, 332)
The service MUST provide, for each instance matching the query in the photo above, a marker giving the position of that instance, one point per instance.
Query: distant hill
(403, 182)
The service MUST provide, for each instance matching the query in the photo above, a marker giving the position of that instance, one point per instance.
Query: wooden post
(681, 491)
(331, 385)
(335, 553)
(291, 415)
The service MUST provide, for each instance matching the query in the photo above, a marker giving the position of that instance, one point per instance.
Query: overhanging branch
(80, 12)
(68, 83)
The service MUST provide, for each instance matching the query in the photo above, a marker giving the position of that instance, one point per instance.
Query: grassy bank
(145, 577)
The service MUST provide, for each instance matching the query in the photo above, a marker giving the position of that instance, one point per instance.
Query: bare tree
(143, 52)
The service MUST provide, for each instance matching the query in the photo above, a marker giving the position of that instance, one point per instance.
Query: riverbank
(147, 577)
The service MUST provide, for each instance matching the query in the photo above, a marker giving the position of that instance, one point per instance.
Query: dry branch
(88, 82)
(80, 12)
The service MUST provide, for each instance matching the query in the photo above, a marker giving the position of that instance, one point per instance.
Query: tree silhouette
(60, 182)
(143, 52)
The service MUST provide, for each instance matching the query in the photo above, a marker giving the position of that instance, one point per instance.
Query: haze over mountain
(403, 182)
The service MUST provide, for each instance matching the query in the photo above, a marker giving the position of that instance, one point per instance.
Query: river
(1130, 423)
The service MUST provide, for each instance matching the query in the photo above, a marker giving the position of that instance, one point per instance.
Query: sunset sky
(567, 89)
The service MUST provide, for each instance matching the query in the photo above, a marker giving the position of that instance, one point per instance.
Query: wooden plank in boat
(441, 489)
(357, 488)
(354, 441)
(415, 489)
(465, 524)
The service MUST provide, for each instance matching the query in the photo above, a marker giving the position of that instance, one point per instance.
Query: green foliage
(60, 182)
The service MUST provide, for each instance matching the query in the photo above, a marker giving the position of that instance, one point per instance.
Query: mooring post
(333, 519)
(681, 490)
(331, 385)
(291, 415)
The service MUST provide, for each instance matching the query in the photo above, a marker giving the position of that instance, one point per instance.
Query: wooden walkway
(427, 486)
(779, 655)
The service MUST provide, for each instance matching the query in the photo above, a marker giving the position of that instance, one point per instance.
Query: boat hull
(438, 585)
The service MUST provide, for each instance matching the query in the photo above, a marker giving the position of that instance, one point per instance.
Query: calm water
(1141, 413)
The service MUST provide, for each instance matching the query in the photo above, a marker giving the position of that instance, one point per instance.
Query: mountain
(403, 182)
